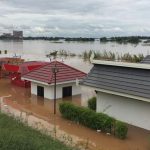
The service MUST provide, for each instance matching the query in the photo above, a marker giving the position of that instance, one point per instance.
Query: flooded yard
(38, 113)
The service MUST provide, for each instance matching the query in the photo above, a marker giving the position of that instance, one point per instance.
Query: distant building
(17, 34)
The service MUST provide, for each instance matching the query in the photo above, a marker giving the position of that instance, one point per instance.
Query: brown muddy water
(38, 113)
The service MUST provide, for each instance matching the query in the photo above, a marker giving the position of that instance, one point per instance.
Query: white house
(123, 90)
(43, 79)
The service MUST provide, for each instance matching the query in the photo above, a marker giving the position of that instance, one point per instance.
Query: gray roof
(146, 60)
(125, 80)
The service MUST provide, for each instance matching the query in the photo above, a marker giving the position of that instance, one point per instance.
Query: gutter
(122, 64)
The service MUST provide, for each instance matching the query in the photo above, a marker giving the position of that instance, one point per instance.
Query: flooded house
(42, 80)
(123, 90)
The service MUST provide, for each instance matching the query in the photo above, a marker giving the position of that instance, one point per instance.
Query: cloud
(91, 18)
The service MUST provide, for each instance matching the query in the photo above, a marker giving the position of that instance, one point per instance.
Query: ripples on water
(43, 47)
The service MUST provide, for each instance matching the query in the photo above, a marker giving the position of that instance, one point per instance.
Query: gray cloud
(92, 18)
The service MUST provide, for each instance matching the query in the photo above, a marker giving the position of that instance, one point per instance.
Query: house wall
(131, 111)
(49, 90)
(34, 88)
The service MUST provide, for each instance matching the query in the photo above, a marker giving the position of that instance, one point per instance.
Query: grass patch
(14, 135)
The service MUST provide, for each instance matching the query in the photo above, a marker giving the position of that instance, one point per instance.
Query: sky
(76, 18)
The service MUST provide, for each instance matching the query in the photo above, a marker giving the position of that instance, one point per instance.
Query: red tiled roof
(45, 74)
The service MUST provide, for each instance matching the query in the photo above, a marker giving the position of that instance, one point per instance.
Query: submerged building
(42, 80)
(123, 90)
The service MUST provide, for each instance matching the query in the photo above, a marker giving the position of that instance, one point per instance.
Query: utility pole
(55, 70)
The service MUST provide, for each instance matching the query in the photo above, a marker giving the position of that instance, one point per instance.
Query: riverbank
(15, 135)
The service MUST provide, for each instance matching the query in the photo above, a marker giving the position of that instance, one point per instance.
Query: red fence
(16, 80)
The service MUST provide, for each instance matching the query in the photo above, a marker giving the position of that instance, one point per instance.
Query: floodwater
(38, 113)
(41, 47)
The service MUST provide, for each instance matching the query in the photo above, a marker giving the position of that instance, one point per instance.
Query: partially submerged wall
(49, 90)
(132, 111)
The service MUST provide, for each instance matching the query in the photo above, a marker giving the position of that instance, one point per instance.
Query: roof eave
(35, 81)
(120, 94)
(49, 84)
(122, 64)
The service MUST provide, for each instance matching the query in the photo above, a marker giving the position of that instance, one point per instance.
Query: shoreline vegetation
(119, 39)
(111, 56)
(104, 55)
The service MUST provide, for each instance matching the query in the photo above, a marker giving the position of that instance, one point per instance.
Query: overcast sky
(75, 18)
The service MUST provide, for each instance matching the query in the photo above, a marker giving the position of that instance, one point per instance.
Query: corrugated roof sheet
(24, 67)
(131, 81)
(146, 60)
(30, 65)
(45, 74)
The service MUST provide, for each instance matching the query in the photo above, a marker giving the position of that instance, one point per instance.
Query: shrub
(121, 129)
(86, 118)
(93, 120)
(92, 103)
(69, 111)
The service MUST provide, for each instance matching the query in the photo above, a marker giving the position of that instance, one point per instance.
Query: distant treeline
(127, 39)
(120, 40)
(8, 38)
(60, 38)
(124, 40)
(80, 39)
(43, 38)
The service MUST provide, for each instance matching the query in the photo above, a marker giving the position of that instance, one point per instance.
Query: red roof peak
(45, 74)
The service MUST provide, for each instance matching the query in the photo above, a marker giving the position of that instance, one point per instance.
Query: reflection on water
(24, 98)
(43, 47)
(40, 101)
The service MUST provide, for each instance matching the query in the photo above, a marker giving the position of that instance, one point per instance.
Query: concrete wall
(33, 88)
(49, 90)
(132, 111)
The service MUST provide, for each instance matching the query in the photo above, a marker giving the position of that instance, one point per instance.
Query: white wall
(132, 111)
(34, 88)
(49, 90)
(87, 93)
